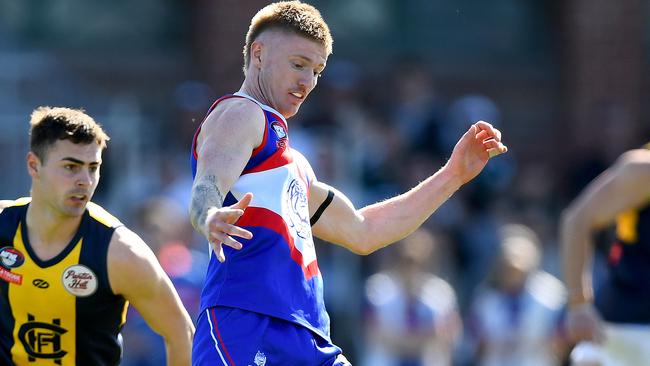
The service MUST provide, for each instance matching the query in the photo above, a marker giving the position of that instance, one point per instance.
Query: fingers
(221, 233)
(221, 228)
(218, 250)
(491, 131)
(229, 241)
(491, 138)
(218, 240)
(243, 202)
(223, 239)
(494, 148)
(228, 214)
(216, 227)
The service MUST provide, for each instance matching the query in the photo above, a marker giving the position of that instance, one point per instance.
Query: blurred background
(477, 285)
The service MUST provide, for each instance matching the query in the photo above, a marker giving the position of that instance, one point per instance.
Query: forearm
(391, 220)
(577, 254)
(205, 195)
(179, 349)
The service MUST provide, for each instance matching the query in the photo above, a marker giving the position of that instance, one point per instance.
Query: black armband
(322, 207)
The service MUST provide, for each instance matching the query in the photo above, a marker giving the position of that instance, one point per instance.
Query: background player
(69, 269)
(620, 195)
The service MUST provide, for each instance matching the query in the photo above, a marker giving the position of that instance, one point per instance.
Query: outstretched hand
(474, 149)
(220, 228)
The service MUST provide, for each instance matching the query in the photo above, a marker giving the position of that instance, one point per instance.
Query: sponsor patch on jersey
(11, 257)
(279, 130)
(11, 277)
(79, 280)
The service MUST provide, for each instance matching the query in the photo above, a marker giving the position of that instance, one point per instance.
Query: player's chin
(291, 108)
(75, 209)
(290, 111)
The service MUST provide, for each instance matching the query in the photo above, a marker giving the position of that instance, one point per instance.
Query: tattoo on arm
(205, 195)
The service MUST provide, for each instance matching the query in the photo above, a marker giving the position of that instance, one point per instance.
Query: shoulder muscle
(237, 120)
(132, 265)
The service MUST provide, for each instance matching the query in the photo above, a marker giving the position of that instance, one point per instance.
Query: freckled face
(290, 65)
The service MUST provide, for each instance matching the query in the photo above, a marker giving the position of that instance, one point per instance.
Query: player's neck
(48, 228)
(251, 88)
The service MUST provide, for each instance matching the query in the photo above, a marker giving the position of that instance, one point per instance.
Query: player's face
(290, 67)
(513, 277)
(67, 179)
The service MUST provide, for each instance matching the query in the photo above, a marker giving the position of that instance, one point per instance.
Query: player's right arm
(228, 137)
(622, 187)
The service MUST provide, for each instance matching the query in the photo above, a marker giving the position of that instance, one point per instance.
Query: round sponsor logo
(79, 280)
(11, 257)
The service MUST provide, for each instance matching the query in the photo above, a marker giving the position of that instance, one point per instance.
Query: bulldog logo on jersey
(11, 258)
(79, 280)
(298, 209)
(260, 359)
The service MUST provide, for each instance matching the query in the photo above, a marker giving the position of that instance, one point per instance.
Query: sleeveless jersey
(624, 297)
(276, 272)
(60, 311)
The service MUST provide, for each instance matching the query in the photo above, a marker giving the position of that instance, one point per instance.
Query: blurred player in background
(614, 320)
(262, 302)
(68, 268)
(516, 315)
(412, 317)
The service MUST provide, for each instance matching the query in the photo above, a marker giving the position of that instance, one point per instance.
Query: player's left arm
(375, 226)
(134, 272)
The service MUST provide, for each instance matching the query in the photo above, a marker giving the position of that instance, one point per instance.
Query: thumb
(473, 130)
(244, 201)
(469, 135)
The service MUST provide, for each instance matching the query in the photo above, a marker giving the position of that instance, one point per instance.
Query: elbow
(361, 250)
(179, 341)
(190, 330)
(361, 246)
(574, 221)
(187, 333)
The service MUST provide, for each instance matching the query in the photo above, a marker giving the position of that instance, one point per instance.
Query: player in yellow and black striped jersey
(61, 308)
(615, 315)
(69, 269)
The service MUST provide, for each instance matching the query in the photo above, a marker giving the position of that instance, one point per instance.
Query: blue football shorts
(233, 337)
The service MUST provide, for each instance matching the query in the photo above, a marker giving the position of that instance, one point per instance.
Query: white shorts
(625, 345)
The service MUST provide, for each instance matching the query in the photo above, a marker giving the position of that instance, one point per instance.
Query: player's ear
(33, 164)
(256, 54)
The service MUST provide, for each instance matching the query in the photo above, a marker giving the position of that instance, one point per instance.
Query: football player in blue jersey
(258, 203)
